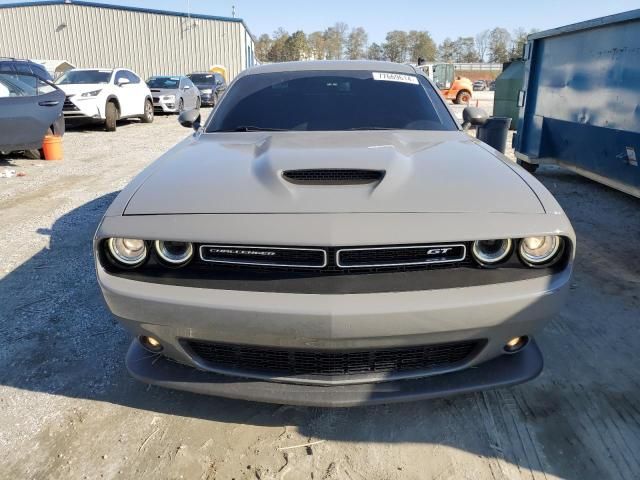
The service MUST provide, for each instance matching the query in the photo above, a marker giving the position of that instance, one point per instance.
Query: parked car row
(33, 105)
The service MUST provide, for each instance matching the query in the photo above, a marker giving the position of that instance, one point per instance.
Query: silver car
(330, 236)
(173, 94)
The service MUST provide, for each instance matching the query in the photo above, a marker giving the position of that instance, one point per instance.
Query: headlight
(174, 253)
(130, 252)
(169, 98)
(490, 252)
(536, 251)
(94, 93)
(206, 90)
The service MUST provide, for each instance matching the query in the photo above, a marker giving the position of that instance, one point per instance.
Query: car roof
(329, 65)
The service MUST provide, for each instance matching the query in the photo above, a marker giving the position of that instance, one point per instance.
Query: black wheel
(462, 97)
(529, 167)
(198, 103)
(181, 106)
(148, 112)
(111, 114)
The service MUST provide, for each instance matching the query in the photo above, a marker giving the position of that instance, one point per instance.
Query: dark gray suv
(30, 106)
(211, 86)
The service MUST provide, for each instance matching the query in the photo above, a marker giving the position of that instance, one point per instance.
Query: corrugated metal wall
(147, 43)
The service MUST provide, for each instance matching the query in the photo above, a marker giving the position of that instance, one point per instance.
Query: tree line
(339, 42)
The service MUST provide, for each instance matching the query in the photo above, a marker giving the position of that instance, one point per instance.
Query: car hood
(75, 89)
(439, 172)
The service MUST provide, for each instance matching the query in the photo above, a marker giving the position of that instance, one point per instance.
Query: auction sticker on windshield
(394, 77)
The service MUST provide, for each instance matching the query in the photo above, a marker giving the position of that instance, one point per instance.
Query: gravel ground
(68, 408)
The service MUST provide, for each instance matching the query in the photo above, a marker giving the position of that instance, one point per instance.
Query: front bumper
(495, 313)
(165, 106)
(207, 98)
(82, 109)
(502, 371)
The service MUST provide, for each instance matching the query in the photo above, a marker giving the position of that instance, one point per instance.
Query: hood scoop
(333, 176)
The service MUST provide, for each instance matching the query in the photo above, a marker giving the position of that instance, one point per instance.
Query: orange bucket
(52, 147)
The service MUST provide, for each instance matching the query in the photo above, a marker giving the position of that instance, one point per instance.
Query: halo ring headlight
(491, 252)
(174, 253)
(129, 252)
(539, 251)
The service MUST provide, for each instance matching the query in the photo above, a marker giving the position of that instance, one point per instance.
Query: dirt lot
(68, 408)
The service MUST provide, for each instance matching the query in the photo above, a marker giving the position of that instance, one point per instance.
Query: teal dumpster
(508, 86)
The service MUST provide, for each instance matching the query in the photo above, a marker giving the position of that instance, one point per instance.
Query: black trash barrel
(494, 132)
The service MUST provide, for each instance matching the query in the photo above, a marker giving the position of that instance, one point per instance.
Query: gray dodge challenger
(330, 236)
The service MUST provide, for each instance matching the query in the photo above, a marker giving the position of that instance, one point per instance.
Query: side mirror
(190, 119)
(122, 81)
(473, 116)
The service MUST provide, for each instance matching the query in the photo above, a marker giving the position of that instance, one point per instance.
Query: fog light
(150, 343)
(516, 344)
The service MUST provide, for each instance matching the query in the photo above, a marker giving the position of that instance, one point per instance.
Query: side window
(133, 78)
(119, 74)
(40, 72)
(18, 85)
(44, 87)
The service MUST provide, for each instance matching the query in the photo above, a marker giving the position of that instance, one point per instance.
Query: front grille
(69, 106)
(333, 176)
(337, 259)
(290, 362)
(264, 256)
(400, 256)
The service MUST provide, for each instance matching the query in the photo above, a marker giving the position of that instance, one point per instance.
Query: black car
(30, 106)
(211, 86)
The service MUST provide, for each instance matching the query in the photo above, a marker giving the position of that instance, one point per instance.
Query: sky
(442, 19)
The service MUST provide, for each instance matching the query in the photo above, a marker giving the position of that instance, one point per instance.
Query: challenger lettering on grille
(334, 257)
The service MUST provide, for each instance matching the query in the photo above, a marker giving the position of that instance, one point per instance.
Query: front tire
(462, 97)
(147, 117)
(111, 117)
(198, 103)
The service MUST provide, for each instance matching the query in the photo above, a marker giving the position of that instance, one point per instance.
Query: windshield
(331, 100)
(84, 76)
(163, 82)
(203, 78)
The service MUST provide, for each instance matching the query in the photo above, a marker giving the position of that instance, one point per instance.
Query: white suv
(106, 96)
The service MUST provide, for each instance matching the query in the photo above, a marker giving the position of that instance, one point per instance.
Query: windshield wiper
(251, 128)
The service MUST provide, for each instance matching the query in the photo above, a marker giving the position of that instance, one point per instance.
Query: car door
(127, 94)
(28, 107)
(141, 92)
(191, 92)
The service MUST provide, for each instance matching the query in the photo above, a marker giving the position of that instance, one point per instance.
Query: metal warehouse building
(147, 41)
